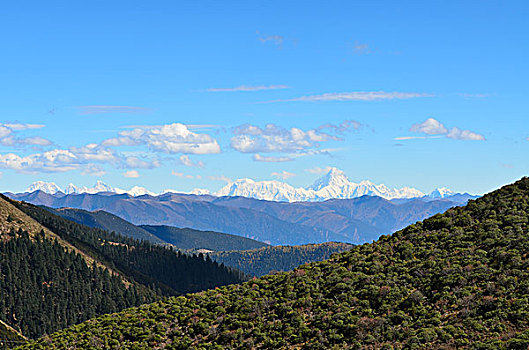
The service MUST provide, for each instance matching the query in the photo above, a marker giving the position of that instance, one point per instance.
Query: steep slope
(262, 261)
(186, 238)
(456, 280)
(55, 273)
(10, 337)
(355, 220)
(14, 219)
(149, 264)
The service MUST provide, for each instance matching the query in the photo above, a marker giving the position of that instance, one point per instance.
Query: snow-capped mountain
(100, 186)
(135, 191)
(268, 190)
(334, 184)
(441, 192)
(48, 187)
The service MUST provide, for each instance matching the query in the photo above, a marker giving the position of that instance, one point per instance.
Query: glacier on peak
(48, 187)
(334, 184)
(441, 192)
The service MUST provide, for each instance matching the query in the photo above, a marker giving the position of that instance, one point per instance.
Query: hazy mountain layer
(355, 220)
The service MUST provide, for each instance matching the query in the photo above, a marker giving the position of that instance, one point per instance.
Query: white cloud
(112, 109)
(135, 162)
(318, 170)
(283, 175)
(430, 126)
(260, 158)
(50, 161)
(8, 132)
(119, 141)
(182, 175)
(36, 141)
(93, 170)
(131, 174)
(272, 138)
(359, 96)
(434, 128)
(95, 153)
(170, 138)
(458, 134)
(249, 88)
(83, 158)
(185, 160)
(22, 126)
(342, 127)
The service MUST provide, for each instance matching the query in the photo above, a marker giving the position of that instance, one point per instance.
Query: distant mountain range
(356, 220)
(181, 238)
(333, 185)
(99, 187)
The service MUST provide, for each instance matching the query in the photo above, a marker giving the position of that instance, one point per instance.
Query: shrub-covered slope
(262, 261)
(460, 279)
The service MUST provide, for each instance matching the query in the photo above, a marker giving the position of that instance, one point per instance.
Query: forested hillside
(55, 273)
(456, 280)
(262, 261)
(45, 288)
(149, 264)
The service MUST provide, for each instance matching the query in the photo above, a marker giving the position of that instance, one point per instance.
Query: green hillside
(456, 280)
(262, 261)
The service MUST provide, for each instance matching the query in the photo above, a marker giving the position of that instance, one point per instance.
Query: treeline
(171, 272)
(262, 261)
(44, 288)
(459, 280)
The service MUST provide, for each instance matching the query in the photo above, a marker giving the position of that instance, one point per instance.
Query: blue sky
(178, 95)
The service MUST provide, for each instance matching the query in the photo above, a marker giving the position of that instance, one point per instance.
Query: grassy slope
(456, 280)
(262, 261)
